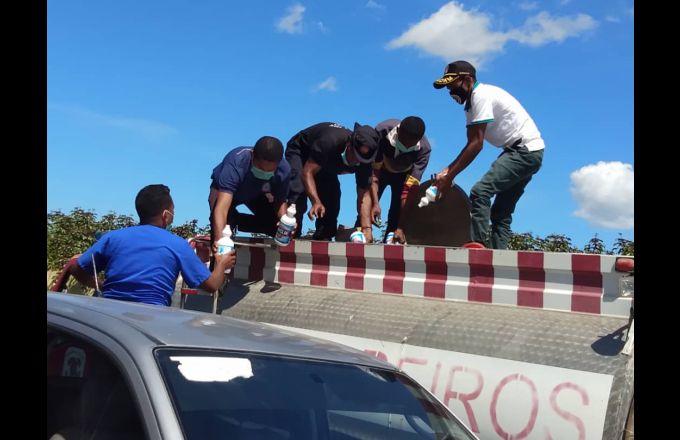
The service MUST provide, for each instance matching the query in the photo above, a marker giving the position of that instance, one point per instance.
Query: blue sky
(158, 92)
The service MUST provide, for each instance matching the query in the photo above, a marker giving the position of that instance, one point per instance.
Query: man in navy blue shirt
(317, 155)
(257, 177)
(142, 262)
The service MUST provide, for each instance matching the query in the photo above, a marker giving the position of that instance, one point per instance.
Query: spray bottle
(429, 197)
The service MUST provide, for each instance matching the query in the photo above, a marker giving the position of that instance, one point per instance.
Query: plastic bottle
(429, 197)
(357, 236)
(390, 239)
(225, 245)
(287, 224)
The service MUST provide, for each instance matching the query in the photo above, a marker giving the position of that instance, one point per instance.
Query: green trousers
(506, 179)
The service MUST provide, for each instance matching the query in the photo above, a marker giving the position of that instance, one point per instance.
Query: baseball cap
(454, 70)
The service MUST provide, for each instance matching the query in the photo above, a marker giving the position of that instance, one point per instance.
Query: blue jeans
(506, 179)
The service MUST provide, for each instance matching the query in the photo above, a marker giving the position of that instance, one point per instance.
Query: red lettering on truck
(580, 426)
(465, 397)
(534, 407)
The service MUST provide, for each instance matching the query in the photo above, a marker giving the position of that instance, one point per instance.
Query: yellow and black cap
(454, 70)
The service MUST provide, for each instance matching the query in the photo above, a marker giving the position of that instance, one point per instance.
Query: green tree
(558, 243)
(72, 233)
(190, 229)
(623, 246)
(525, 242)
(595, 246)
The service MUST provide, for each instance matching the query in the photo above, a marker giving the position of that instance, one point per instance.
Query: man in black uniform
(403, 155)
(317, 155)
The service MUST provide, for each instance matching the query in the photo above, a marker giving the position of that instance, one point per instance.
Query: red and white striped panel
(544, 280)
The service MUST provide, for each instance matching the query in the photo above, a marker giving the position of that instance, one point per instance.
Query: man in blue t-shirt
(257, 177)
(142, 262)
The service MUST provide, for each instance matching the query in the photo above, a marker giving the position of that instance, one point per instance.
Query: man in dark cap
(403, 155)
(495, 115)
(317, 155)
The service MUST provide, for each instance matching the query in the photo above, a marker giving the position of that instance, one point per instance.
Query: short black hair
(268, 148)
(413, 127)
(151, 201)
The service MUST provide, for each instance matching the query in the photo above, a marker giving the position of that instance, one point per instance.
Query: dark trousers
(396, 183)
(263, 219)
(328, 189)
(506, 179)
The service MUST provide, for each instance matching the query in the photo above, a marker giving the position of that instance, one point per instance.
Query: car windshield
(219, 394)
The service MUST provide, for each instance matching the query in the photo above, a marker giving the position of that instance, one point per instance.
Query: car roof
(169, 326)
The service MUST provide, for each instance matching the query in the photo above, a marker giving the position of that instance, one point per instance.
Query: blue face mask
(261, 174)
(344, 158)
(393, 137)
(403, 148)
(168, 227)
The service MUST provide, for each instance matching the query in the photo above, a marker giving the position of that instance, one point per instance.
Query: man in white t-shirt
(492, 114)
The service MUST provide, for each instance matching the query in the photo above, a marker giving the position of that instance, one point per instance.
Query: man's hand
(317, 210)
(399, 236)
(375, 214)
(218, 235)
(442, 181)
(226, 261)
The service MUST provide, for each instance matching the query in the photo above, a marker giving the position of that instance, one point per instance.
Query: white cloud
(145, 127)
(374, 5)
(292, 23)
(328, 84)
(612, 19)
(604, 193)
(455, 33)
(321, 27)
(542, 28)
(528, 6)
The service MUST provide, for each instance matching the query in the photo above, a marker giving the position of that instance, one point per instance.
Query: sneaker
(474, 245)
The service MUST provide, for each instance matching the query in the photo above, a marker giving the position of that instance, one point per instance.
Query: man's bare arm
(84, 277)
(309, 170)
(475, 142)
(220, 212)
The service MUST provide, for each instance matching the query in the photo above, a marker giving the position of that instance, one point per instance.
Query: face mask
(344, 158)
(403, 148)
(168, 227)
(396, 143)
(458, 95)
(261, 174)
